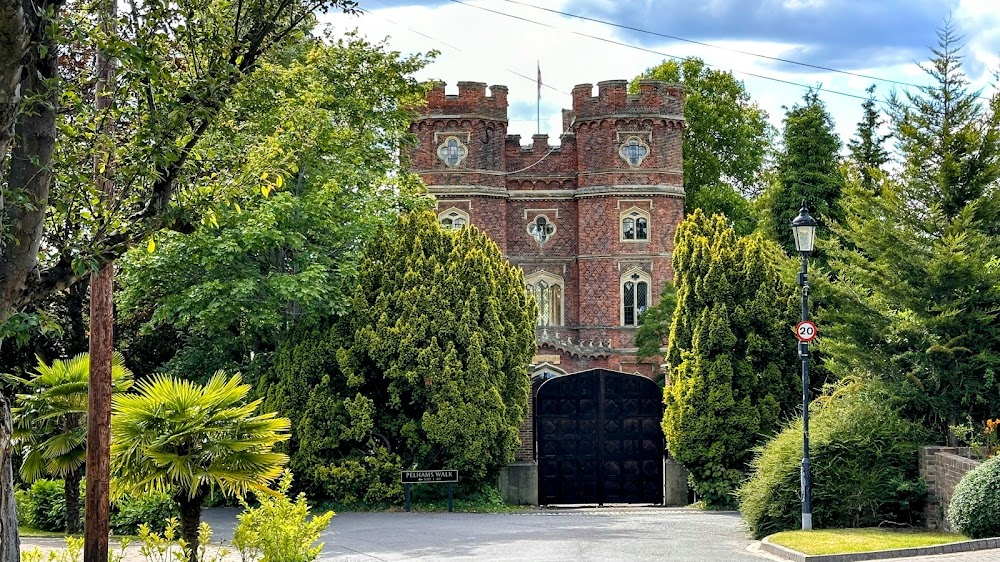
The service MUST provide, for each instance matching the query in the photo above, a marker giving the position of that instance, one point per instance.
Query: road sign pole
(450, 488)
(806, 476)
(406, 493)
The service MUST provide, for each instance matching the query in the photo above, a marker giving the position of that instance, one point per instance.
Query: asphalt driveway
(603, 534)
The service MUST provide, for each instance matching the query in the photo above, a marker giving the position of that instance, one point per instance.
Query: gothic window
(452, 151)
(633, 151)
(453, 219)
(635, 225)
(548, 292)
(635, 296)
(541, 229)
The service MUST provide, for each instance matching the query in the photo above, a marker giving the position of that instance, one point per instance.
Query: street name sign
(428, 476)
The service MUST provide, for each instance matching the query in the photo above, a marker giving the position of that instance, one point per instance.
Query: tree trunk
(72, 491)
(30, 169)
(10, 544)
(190, 519)
(102, 323)
(13, 41)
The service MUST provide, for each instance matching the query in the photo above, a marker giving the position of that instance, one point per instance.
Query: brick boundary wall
(942, 468)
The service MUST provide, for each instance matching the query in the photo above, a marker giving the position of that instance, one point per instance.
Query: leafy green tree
(732, 375)
(919, 285)
(868, 153)
(271, 252)
(808, 170)
(179, 63)
(654, 323)
(431, 361)
(188, 439)
(50, 423)
(726, 141)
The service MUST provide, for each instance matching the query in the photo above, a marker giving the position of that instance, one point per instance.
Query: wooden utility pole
(98, 505)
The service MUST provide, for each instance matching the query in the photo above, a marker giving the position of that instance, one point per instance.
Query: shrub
(864, 467)
(976, 502)
(279, 530)
(47, 505)
(367, 481)
(151, 509)
(23, 501)
(728, 386)
(431, 363)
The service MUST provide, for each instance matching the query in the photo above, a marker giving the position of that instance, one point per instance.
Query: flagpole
(538, 100)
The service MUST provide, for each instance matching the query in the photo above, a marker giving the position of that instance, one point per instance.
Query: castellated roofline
(655, 97)
(471, 99)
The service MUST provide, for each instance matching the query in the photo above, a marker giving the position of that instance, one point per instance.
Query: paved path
(554, 535)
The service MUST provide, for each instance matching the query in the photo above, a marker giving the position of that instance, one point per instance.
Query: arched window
(453, 219)
(546, 371)
(635, 225)
(548, 292)
(635, 296)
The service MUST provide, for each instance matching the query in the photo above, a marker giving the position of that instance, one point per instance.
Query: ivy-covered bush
(152, 509)
(975, 506)
(368, 481)
(864, 467)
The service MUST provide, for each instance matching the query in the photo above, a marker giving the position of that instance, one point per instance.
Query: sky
(507, 41)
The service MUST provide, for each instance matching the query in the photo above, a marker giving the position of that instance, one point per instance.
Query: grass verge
(32, 532)
(843, 541)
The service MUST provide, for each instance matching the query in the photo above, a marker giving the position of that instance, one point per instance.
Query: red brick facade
(618, 154)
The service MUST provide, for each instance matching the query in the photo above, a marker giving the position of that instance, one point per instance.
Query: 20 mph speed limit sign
(805, 331)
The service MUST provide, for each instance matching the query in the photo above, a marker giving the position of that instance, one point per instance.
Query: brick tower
(590, 221)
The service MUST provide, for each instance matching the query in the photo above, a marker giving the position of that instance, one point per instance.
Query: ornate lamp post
(804, 232)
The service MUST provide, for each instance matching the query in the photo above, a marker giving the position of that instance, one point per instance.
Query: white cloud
(481, 46)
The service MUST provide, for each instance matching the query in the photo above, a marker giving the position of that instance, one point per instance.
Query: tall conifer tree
(808, 169)
(867, 151)
(920, 284)
(732, 371)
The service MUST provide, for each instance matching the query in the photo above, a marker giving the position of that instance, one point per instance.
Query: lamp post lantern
(804, 232)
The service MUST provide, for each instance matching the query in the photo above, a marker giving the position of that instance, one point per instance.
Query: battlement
(471, 100)
(655, 97)
(539, 145)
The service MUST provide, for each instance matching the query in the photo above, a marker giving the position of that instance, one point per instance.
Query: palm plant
(50, 423)
(188, 439)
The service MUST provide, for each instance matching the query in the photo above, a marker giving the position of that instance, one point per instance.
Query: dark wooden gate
(599, 439)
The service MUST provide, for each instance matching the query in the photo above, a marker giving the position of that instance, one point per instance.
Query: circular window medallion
(541, 229)
(633, 151)
(452, 151)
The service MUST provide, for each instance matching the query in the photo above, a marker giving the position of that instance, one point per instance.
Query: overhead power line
(653, 51)
(719, 47)
(453, 47)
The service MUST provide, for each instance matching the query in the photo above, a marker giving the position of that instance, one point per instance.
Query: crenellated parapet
(655, 97)
(471, 100)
